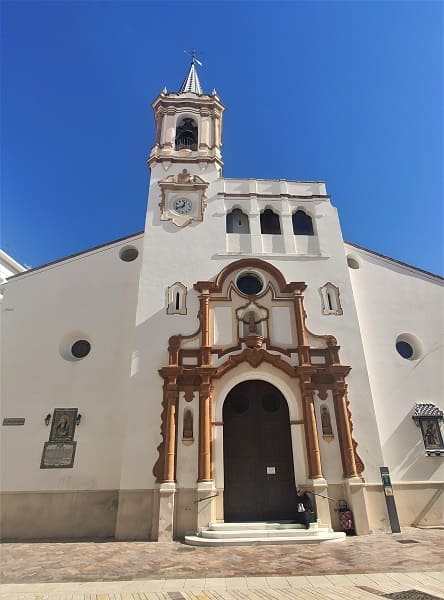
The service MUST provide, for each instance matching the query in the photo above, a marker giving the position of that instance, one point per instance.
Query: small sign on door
(271, 470)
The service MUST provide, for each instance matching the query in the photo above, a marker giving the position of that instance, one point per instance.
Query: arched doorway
(258, 458)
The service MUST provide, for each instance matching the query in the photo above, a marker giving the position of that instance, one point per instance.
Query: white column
(287, 228)
(255, 227)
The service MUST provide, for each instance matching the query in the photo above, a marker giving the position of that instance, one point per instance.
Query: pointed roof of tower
(191, 82)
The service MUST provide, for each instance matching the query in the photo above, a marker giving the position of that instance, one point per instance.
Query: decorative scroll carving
(158, 470)
(351, 461)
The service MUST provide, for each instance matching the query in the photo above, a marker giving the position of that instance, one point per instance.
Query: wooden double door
(258, 458)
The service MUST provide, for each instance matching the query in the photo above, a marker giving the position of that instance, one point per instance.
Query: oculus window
(249, 284)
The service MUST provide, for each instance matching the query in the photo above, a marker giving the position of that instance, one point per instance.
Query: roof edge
(394, 260)
(76, 254)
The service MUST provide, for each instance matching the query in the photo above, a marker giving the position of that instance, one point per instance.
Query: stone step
(198, 540)
(263, 533)
(220, 533)
(221, 526)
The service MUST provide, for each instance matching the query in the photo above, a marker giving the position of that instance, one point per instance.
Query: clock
(182, 206)
(183, 198)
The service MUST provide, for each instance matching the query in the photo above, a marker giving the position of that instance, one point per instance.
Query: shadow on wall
(405, 450)
(435, 500)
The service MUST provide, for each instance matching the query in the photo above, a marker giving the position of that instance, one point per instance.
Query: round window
(128, 254)
(408, 346)
(80, 348)
(249, 284)
(404, 349)
(352, 262)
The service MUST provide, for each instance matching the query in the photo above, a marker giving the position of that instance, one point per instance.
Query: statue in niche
(327, 430)
(252, 326)
(184, 177)
(187, 435)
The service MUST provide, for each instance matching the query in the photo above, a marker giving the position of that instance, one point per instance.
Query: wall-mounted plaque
(271, 470)
(63, 425)
(14, 421)
(58, 455)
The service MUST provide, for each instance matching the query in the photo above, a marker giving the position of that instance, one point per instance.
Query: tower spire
(191, 82)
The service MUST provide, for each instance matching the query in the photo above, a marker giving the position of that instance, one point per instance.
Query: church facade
(205, 369)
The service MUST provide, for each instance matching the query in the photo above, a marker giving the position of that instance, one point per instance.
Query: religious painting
(63, 425)
(431, 434)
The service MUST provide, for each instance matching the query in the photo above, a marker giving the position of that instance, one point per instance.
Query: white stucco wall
(90, 296)
(393, 299)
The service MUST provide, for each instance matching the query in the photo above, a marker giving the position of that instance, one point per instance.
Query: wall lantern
(428, 418)
(47, 419)
(78, 419)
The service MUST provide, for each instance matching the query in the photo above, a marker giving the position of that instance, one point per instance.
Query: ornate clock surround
(184, 185)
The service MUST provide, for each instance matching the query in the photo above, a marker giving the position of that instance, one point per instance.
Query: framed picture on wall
(431, 434)
(63, 425)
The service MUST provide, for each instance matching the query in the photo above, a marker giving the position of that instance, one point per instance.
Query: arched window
(302, 223)
(331, 303)
(177, 296)
(270, 223)
(237, 222)
(186, 134)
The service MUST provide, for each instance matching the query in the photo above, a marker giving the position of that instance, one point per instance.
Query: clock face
(182, 206)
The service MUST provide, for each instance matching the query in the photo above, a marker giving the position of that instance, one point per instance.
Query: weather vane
(192, 53)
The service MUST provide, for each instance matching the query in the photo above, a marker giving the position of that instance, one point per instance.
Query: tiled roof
(191, 82)
(423, 409)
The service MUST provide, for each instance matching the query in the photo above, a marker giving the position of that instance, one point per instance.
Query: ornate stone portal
(313, 362)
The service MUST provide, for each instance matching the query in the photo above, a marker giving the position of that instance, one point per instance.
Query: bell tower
(188, 127)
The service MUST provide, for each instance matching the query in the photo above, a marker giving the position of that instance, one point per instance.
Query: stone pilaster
(311, 434)
(205, 430)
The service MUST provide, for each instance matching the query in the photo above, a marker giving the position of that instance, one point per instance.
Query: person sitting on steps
(305, 508)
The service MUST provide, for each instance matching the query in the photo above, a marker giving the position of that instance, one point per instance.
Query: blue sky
(350, 93)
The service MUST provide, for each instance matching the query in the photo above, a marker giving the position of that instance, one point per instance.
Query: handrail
(207, 498)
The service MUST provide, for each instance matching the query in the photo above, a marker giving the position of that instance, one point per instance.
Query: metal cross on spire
(193, 53)
(191, 82)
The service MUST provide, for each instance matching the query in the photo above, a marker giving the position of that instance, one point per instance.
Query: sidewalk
(321, 587)
(360, 567)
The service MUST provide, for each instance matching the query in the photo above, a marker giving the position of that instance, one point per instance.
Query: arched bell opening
(270, 222)
(186, 134)
(259, 481)
(302, 223)
(237, 222)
